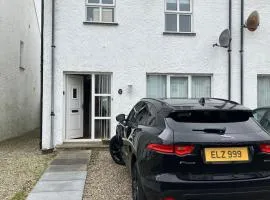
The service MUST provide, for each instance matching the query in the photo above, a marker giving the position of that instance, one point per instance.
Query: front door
(74, 115)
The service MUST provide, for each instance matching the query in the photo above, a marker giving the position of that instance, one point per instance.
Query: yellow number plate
(227, 154)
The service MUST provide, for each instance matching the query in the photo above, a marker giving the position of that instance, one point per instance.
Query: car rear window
(211, 116)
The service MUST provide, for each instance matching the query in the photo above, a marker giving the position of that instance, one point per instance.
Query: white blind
(201, 86)
(263, 91)
(107, 14)
(156, 86)
(179, 87)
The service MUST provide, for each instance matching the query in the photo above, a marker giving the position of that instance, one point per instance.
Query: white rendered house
(102, 56)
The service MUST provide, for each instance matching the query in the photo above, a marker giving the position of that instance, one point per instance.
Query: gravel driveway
(21, 164)
(106, 180)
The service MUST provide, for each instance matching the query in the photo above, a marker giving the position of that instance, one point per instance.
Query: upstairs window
(100, 11)
(178, 16)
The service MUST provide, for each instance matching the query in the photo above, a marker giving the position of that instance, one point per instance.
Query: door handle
(74, 111)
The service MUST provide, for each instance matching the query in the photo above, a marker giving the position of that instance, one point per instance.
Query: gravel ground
(106, 180)
(21, 165)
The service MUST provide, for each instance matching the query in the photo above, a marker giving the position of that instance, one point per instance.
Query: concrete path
(64, 178)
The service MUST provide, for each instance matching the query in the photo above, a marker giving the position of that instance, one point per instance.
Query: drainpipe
(41, 73)
(229, 52)
(242, 52)
(52, 72)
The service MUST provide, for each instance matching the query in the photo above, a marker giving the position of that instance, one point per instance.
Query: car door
(131, 124)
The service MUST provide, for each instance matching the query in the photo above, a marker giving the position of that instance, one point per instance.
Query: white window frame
(94, 95)
(178, 13)
(100, 5)
(189, 76)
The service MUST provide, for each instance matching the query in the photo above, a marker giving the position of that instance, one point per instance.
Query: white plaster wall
(137, 46)
(20, 90)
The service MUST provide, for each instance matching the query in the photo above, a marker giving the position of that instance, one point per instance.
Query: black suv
(193, 149)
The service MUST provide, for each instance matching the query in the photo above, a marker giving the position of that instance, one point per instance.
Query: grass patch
(20, 196)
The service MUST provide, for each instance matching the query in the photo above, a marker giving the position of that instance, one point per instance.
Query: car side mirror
(121, 118)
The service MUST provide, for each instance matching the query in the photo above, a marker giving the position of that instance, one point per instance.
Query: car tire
(115, 150)
(137, 190)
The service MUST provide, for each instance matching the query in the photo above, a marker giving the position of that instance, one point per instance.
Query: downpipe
(52, 75)
(230, 52)
(41, 73)
(242, 53)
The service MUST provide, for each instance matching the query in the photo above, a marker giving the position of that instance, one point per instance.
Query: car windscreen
(211, 116)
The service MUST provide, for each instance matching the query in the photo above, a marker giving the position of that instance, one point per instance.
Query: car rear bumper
(169, 186)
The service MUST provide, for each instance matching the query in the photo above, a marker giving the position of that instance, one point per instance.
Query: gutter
(52, 73)
(41, 73)
(229, 52)
(242, 53)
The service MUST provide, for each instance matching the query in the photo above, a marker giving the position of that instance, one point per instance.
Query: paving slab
(63, 176)
(68, 195)
(72, 156)
(66, 168)
(59, 186)
(69, 161)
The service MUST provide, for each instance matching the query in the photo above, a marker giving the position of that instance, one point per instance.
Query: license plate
(226, 154)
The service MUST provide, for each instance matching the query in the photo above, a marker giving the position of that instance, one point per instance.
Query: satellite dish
(253, 21)
(224, 39)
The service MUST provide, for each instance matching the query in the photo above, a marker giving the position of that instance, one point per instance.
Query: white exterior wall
(137, 46)
(20, 90)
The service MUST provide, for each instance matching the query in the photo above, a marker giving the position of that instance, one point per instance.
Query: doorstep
(83, 145)
(64, 178)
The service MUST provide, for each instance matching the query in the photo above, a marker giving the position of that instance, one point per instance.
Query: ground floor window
(263, 91)
(178, 86)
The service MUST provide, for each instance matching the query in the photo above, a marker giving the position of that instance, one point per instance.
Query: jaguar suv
(193, 149)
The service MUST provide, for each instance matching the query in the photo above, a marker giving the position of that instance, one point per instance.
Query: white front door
(74, 111)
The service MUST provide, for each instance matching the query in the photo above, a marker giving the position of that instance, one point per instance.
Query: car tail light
(184, 150)
(265, 148)
(168, 198)
(161, 148)
(172, 149)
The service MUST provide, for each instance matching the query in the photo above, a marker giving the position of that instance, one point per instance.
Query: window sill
(101, 23)
(179, 33)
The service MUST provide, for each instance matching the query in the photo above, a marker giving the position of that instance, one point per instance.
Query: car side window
(152, 115)
(147, 115)
(265, 121)
(133, 113)
(142, 115)
(258, 114)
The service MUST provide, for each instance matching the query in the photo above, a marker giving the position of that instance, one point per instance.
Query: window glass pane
(74, 93)
(108, 15)
(184, 23)
(107, 1)
(102, 128)
(201, 87)
(102, 106)
(263, 91)
(179, 87)
(156, 86)
(171, 4)
(184, 5)
(93, 14)
(171, 22)
(103, 84)
(93, 1)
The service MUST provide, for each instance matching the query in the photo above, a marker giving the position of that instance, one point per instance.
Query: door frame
(92, 73)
